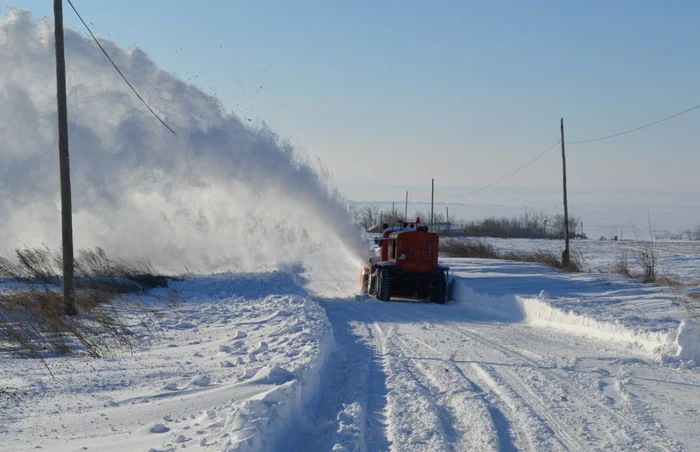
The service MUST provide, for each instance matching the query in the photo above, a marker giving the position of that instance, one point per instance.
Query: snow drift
(218, 195)
(683, 343)
(688, 341)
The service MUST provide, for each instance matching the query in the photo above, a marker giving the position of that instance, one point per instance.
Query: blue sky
(398, 92)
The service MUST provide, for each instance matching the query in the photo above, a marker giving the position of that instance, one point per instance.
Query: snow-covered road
(285, 361)
(445, 381)
(417, 376)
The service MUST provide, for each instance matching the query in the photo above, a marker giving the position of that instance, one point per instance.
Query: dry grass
(621, 265)
(548, 258)
(93, 270)
(33, 323)
(690, 302)
(473, 248)
(668, 282)
(468, 248)
(32, 312)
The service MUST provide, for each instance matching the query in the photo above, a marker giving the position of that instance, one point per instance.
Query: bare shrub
(621, 265)
(528, 225)
(646, 255)
(646, 261)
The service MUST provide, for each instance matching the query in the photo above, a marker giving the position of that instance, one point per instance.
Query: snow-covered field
(523, 358)
(675, 258)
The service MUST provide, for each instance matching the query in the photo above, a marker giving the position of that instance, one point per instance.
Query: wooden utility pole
(393, 214)
(405, 210)
(64, 162)
(565, 257)
(447, 219)
(432, 202)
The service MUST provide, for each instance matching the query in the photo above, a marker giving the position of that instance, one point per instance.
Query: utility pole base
(565, 259)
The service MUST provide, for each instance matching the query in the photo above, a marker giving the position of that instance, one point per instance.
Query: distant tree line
(687, 234)
(528, 225)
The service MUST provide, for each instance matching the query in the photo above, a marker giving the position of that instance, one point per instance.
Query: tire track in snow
(466, 399)
(446, 416)
(377, 420)
(640, 411)
(508, 433)
(351, 405)
(527, 424)
(524, 400)
(520, 398)
(623, 429)
(540, 408)
(412, 404)
(515, 429)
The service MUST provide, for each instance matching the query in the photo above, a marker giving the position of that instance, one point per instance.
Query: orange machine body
(407, 265)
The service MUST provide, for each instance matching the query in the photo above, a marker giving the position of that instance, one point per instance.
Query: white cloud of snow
(218, 195)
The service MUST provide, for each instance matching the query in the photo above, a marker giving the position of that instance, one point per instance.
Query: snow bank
(263, 421)
(688, 341)
(240, 379)
(538, 311)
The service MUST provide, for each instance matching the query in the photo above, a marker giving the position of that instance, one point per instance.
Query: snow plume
(219, 195)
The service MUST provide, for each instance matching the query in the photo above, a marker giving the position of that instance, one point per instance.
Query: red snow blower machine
(407, 265)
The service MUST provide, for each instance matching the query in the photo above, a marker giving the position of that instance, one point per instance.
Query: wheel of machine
(383, 285)
(372, 290)
(439, 293)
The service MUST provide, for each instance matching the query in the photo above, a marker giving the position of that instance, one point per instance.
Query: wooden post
(432, 200)
(447, 219)
(565, 257)
(64, 162)
(405, 210)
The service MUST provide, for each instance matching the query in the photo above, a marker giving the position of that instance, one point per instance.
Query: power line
(591, 140)
(509, 174)
(120, 72)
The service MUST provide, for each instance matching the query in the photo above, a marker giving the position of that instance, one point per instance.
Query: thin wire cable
(120, 72)
(591, 140)
(539, 156)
